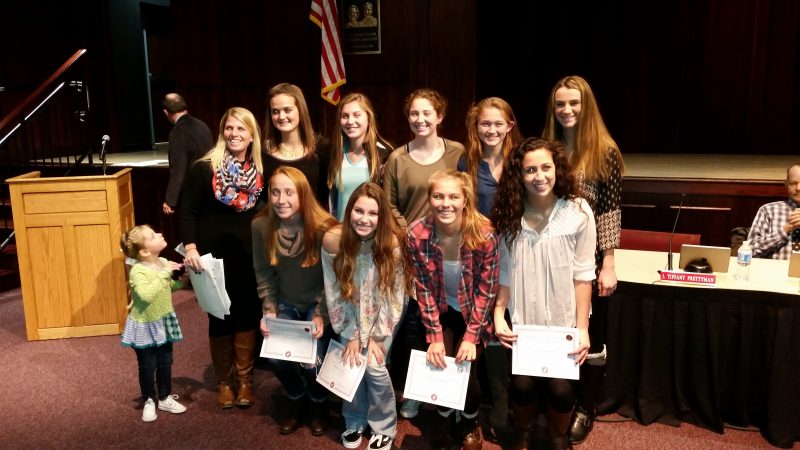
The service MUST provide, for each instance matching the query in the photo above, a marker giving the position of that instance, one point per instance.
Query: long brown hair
(389, 237)
(371, 138)
(474, 148)
(592, 139)
(509, 201)
(474, 225)
(272, 137)
(316, 220)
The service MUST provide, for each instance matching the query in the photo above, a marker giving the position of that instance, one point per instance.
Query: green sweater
(151, 291)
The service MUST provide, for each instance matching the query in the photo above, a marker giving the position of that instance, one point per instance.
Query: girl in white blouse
(367, 278)
(547, 237)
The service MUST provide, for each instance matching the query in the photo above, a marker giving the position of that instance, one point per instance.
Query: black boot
(582, 423)
(443, 438)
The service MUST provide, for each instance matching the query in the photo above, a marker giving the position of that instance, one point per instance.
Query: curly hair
(510, 198)
(388, 237)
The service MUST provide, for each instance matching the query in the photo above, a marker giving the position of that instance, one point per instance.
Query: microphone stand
(674, 226)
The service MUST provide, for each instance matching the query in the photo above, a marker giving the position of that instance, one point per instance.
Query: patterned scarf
(237, 184)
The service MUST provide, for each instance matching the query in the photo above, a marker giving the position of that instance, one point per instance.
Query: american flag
(323, 13)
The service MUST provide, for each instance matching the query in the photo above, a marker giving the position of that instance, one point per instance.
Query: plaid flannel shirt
(477, 291)
(767, 238)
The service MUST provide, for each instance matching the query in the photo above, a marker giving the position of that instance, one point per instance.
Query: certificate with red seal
(443, 387)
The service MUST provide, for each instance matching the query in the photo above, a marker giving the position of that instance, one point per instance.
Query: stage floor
(715, 167)
(638, 165)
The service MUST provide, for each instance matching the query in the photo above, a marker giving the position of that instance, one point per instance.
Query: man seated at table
(776, 229)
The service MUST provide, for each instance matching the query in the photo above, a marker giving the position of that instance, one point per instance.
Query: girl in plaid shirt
(455, 254)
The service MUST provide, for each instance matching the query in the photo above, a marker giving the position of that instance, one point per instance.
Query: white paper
(444, 387)
(337, 376)
(209, 287)
(290, 340)
(542, 351)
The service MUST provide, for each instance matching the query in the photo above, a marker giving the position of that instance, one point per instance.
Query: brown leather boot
(244, 342)
(295, 412)
(473, 437)
(523, 432)
(222, 359)
(320, 416)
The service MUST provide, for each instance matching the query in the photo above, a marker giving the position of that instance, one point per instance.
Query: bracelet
(190, 247)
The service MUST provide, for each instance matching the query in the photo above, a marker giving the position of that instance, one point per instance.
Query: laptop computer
(794, 265)
(718, 257)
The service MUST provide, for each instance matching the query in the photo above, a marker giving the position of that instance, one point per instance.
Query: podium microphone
(103, 143)
(674, 226)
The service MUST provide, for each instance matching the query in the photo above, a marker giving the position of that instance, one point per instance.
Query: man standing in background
(189, 140)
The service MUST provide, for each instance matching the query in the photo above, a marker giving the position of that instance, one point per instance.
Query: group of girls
(410, 224)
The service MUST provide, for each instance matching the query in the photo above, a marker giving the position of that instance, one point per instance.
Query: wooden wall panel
(710, 207)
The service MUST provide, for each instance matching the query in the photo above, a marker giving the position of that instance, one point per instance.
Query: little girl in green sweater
(152, 325)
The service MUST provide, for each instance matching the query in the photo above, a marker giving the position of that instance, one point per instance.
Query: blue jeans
(374, 402)
(286, 371)
(158, 361)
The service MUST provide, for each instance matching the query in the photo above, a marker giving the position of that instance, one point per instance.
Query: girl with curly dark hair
(547, 239)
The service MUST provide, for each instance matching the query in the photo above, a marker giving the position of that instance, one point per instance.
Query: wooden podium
(71, 267)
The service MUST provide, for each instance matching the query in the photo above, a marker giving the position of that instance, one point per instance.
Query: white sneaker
(410, 408)
(380, 442)
(171, 405)
(352, 438)
(149, 411)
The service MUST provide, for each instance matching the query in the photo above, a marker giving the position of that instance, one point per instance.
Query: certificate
(542, 351)
(290, 340)
(209, 287)
(444, 387)
(337, 376)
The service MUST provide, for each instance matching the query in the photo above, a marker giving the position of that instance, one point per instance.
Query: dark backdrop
(689, 77)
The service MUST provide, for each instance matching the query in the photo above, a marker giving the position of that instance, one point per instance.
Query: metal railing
(48, 130)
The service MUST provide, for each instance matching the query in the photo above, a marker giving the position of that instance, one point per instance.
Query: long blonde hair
(474, 225)
(315, 219)
(371, 138)
(272, 137)
(592, 139)
(474, 149)
(217, 153)
(388, 238)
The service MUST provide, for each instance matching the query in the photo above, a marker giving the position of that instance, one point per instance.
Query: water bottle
(743, 259)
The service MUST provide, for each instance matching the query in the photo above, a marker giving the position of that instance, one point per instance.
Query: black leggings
(453, 329)
(158, 361)
(557, 392)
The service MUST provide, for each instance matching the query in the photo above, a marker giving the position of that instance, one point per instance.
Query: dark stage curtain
(706, 356)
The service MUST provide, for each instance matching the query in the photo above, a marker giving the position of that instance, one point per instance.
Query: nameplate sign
(688, 277)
